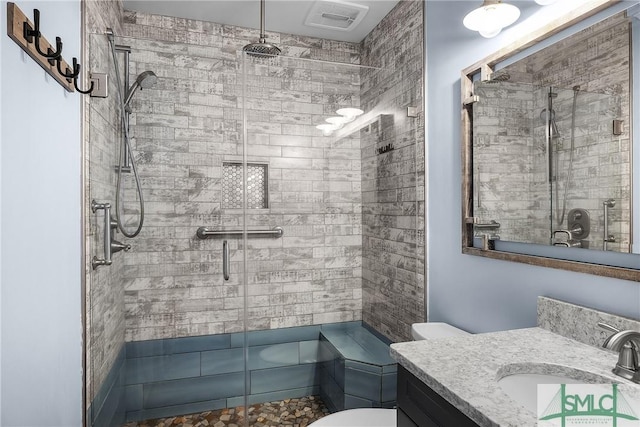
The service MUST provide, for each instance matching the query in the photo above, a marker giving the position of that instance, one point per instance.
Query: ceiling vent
(336, 15)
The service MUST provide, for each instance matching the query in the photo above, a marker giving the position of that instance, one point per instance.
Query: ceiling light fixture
(337, 120)
(327, 128)
(350, 112)
(490, 18)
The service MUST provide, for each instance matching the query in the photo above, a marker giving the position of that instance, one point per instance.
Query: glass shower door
(306, 181)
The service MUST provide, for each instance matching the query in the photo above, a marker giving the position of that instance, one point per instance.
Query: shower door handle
(225, 260)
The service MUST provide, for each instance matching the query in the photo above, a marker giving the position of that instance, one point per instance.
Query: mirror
(548, 149)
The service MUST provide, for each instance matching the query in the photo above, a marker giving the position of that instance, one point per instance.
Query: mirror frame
(484, 68)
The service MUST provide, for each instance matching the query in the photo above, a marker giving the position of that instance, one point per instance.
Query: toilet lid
(362, 417)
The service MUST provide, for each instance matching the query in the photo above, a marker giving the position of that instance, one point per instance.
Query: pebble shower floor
(298, 412)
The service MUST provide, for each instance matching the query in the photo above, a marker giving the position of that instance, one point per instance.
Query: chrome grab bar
(225, 260)
(205, 232)
(607, 238)
(491, 225)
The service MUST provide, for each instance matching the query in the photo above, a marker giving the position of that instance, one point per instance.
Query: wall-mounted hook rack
(32, 35)
(68, 74)
(27, 35)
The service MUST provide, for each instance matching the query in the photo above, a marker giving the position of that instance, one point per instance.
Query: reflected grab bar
(205, 232)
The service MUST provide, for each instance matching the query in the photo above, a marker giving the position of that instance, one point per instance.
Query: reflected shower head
(498, 77)
(553, 126)
(145, 80)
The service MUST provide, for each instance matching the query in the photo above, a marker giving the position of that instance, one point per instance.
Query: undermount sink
(523, 386)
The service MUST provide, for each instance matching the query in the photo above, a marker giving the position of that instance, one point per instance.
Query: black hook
(69, 74)
(76, 71)
(30, 33)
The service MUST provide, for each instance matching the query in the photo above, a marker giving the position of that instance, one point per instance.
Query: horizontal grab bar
(492, 225)
(205, 232)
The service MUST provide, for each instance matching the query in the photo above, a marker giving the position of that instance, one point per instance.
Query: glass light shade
(491, 17)
(545, 2)
(490, 32)
(327, 127)
(337, 120)
(350, 112)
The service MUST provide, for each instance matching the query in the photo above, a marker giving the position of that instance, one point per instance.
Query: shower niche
(233, 185)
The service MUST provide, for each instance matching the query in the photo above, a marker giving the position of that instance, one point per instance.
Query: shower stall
(226, 142)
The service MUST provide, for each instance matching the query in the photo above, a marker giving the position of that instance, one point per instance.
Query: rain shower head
(261, 47)
(145, 80)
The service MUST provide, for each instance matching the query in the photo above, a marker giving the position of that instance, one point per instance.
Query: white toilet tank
(423, 331)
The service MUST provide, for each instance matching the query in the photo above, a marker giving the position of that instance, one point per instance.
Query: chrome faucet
(627, 344)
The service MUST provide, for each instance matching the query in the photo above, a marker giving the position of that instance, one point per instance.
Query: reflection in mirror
(552, 144)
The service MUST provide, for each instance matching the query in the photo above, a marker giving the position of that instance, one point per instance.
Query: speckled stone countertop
(464, 370)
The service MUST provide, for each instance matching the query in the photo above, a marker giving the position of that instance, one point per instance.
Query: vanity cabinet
(420, 406)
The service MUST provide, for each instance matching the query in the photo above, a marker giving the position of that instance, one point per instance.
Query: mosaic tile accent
(580, 323)
(393, 186)
(233, 186)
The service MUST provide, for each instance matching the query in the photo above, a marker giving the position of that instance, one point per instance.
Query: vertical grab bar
(225, 260)
(609, 203)
(95, 262)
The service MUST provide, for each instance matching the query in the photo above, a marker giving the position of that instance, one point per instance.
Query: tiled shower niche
(233, 184)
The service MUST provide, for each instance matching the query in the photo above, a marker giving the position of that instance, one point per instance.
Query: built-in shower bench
(356, 370)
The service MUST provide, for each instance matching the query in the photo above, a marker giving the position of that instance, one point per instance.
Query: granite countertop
(464, 370)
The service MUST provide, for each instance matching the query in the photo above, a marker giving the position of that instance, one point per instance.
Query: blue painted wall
(475, 293)
(41, 243)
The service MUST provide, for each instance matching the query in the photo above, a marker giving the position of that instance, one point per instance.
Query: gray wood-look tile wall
(335, 198)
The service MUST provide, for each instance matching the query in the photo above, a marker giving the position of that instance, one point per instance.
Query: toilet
(378, 417)
(423, 331)
(361, 417)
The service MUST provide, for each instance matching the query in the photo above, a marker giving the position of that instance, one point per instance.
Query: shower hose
(560, 216)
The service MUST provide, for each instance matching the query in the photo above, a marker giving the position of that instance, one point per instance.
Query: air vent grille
(336, 15)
